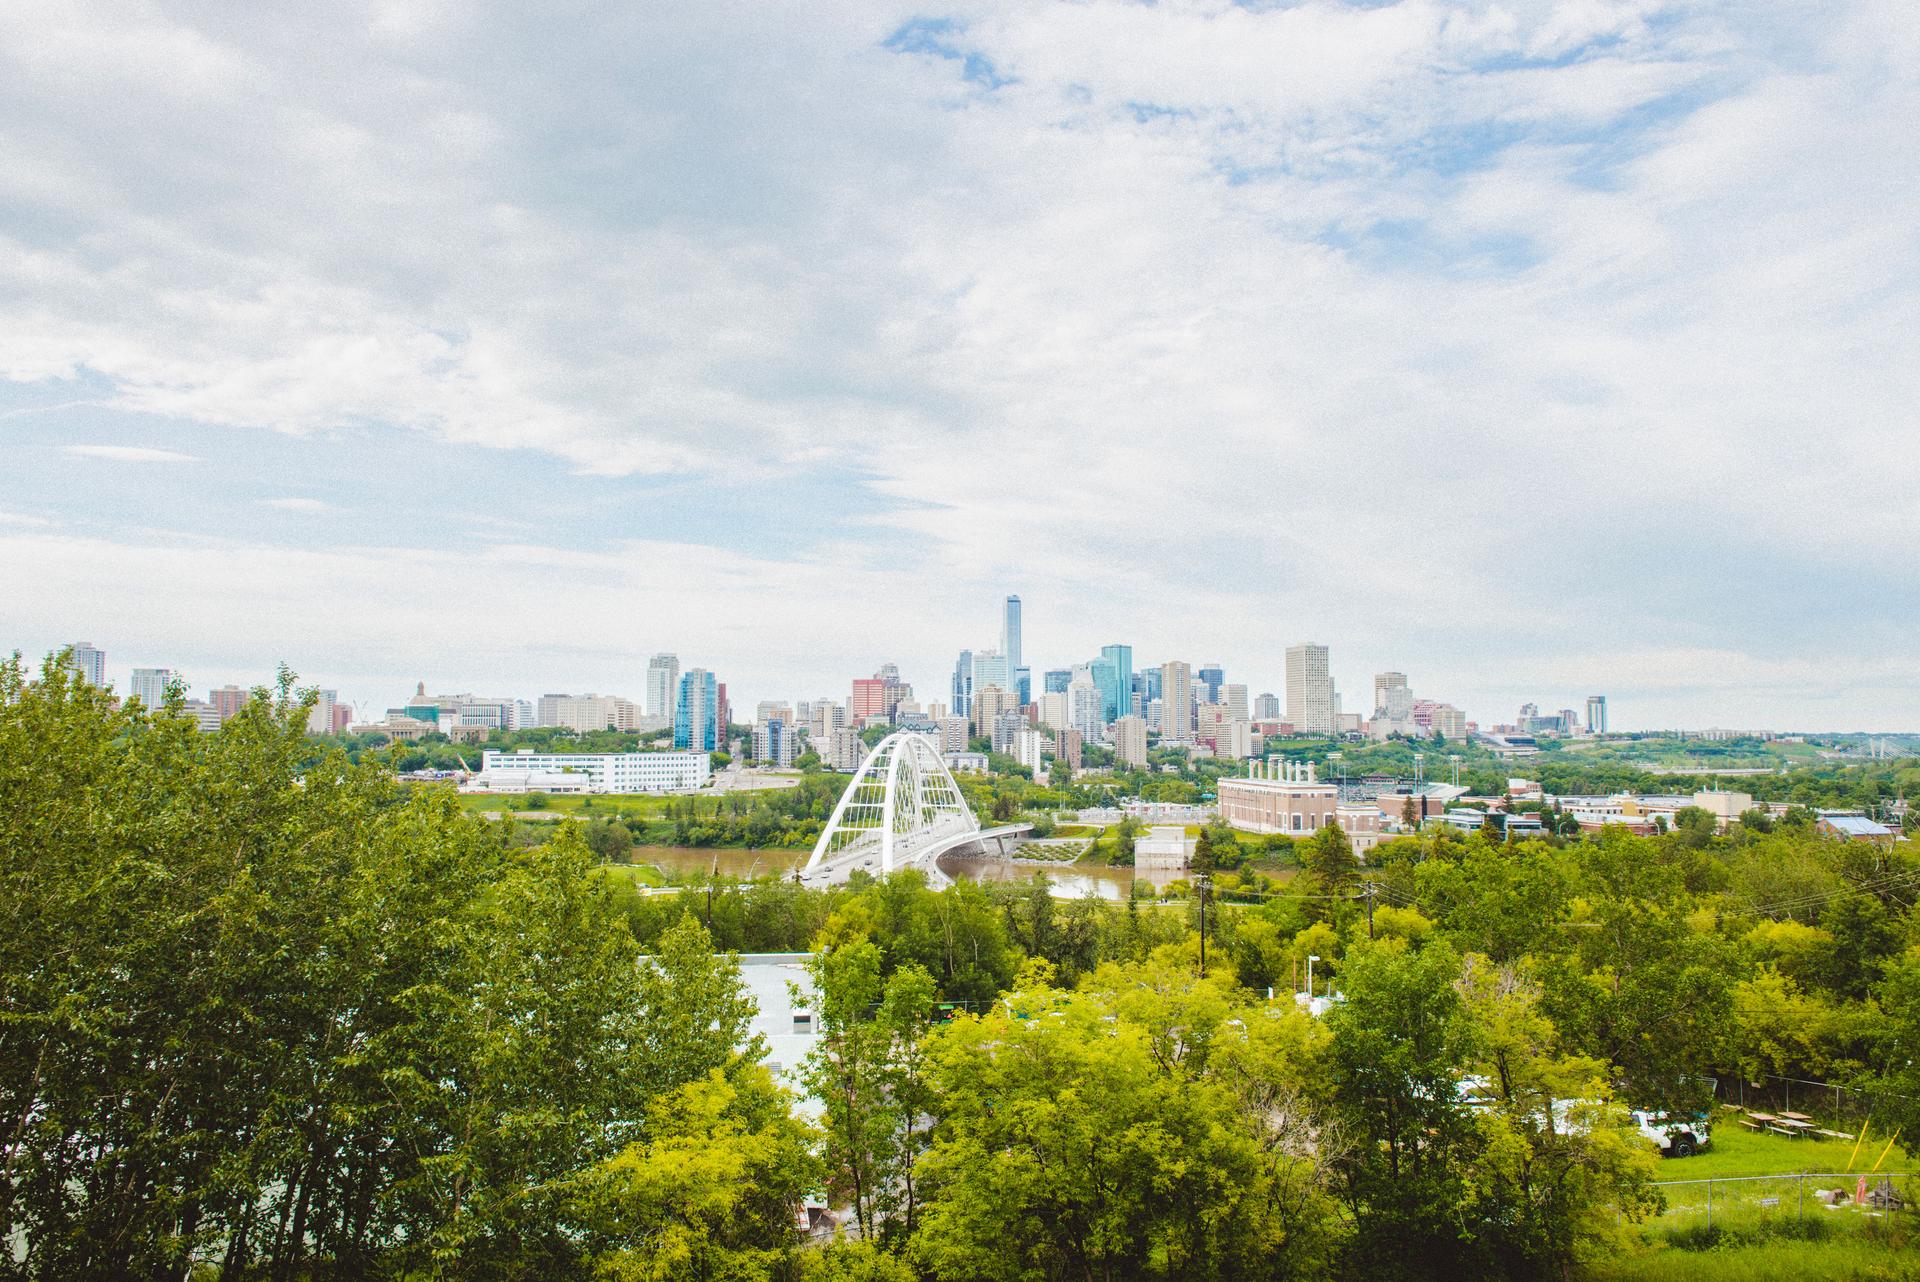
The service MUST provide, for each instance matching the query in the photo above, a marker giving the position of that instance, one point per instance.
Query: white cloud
(128, 454)
(21, 518)
(298, 504)
(1457, 335)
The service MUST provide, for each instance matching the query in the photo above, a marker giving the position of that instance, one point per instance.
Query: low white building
(525, 770)
(1163, 849)
(786, 1019)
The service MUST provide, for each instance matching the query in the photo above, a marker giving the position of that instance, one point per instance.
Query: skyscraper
(90, 663)
(963, 684)
(1058, 679)
(1106, 679)
(1596, 714)
(1010, 640)
(990, 668)
(696, 715)
(150, 686)
(1176, 700)
(1086, 708)
(1266, 708)
(1310, 702)
(663, 684)
(1214, 676)
(1234, 699)
(1120, 694)
(1130, 741)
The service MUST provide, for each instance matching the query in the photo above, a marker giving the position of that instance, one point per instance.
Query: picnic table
(1760, 1117)
(1789, 1127)
(1797, 1117)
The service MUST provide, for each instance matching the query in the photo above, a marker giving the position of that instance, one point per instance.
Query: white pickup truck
(1674, 1136)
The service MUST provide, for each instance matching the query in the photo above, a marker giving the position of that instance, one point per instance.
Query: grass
(1737, 1151)
(1854, 1258)
(597, 806)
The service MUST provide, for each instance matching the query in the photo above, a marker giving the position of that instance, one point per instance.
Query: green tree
(711, 1193)
(1329, 860)
(868, 1071)
(1400, 1043)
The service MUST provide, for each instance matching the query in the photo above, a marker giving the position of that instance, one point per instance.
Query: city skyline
(128, 678)
(797, 348)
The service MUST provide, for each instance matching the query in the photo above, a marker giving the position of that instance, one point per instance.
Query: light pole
(1311, 959)
(1419, 771)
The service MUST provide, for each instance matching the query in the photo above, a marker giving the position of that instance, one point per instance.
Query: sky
(1534, 349)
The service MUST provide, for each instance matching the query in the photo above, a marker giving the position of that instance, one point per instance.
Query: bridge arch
(902, 807)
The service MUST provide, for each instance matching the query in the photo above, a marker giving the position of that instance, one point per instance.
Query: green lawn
(598, 806)
(1848, 1259)
(1738, 1151)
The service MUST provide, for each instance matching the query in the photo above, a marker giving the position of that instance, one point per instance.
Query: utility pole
(1372, 886)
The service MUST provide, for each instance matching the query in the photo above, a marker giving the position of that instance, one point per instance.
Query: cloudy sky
(1537, 349)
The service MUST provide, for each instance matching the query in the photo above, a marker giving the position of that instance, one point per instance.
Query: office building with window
(696, 717)
(1311, 705)
(663, 684)
(150, 686)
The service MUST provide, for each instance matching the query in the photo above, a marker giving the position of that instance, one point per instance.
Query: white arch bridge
(903, 809)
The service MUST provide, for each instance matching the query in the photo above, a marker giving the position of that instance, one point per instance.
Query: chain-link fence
(1748, 1200)
(1835, 1106)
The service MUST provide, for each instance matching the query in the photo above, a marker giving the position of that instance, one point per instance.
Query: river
(1071, 881)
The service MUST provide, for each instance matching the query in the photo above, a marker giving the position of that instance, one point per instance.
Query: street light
(1311, 959)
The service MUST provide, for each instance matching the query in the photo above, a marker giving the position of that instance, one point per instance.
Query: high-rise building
(90, 663)
(1392, 706)
(1447, 721)
(844, 751)
(1176, 701)
(1023, 684)
(547, 710)
(1054, 709)
(1235, 699)
(963, 684)
(775, 742)
(1030, 748)
(1086, 708)
(1152, 678)
(869, 699)
(1266, 708)
(1010, 640)
(663, 683)
(227, 702)
(1119, 693)
(150, 686)
(1596, 714)
(953, 733)
(989, 702)
(1005, 726)
(1057, 680)
(1310, 700)
(325, 709)
(1130, 741)
(1213, 676)
(990, 668)
(696, 715)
